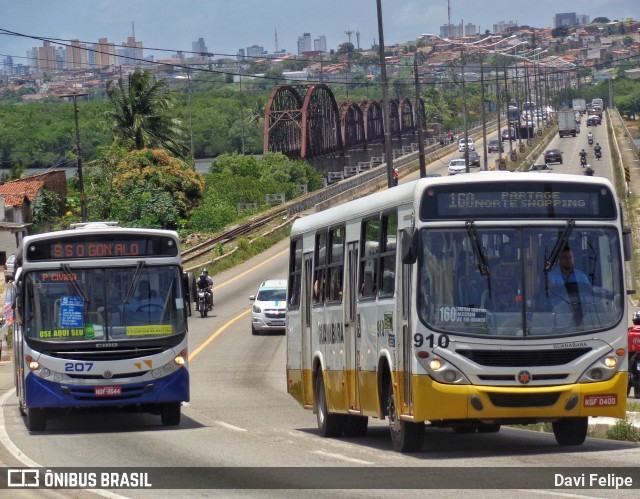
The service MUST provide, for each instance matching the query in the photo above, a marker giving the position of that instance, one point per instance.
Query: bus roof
(406, 193)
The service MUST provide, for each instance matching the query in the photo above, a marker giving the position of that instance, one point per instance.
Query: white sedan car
(470, 145)
(457, 165)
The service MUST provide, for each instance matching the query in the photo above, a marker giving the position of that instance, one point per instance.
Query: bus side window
(370, 256)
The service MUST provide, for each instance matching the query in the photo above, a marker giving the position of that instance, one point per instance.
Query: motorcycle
(634, 359)
(598, 155)
(583, 161)
(590, 140)
(589, 172)
(203, 305)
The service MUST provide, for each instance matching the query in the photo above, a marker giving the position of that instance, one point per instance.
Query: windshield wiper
(560, 244)
(134, 283)
(67, 270)
(481, 258)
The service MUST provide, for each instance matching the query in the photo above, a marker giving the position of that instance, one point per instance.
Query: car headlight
(256, 309)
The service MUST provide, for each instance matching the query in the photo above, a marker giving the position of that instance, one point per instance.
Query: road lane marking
(8, 444)
(229, 426)
(217, 333)
(193, 354)
(341, 457)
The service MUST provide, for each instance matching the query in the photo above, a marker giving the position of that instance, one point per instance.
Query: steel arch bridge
(306, 121)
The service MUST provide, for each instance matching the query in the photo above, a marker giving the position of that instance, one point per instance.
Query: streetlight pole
(83, 205)
(385, 101)
(419, 108)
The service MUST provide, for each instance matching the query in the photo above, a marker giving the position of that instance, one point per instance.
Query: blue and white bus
(100, 322)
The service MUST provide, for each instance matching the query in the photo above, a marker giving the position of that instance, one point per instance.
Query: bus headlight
(601, 370)
(45, 373)
(443, 371)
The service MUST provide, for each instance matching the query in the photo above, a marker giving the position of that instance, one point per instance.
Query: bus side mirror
(16, 304)
(627, 244)
(408, 245)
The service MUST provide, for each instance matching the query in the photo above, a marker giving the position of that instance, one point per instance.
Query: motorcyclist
(598, 150)
(205, 282)
(634, 355)
(583, 158)
(589, 171)
(590, 138)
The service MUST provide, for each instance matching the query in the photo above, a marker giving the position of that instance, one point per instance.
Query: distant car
(9, 268)
(474, 159)
(456, 166)
(470, 145)
(592, 121)
(544, 168)
(269, 306)
(508, 134)
(495, 146)
(553, 156)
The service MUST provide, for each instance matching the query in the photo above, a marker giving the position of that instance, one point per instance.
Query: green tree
(140, 116)
(153, 189)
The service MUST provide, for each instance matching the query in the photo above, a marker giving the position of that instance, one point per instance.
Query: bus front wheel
(571, 431)
(405, 435)
(170, 414)
(36, 419)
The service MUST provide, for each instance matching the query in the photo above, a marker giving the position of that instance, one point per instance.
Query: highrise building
(105, 53)
(503, 26)
(131, 53)
(304, 43)
(76, 55)
(46, 57)
(565, 19)
(256, 51)
(199, 47)
(320, 44)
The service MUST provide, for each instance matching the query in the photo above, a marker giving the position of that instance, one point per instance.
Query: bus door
(351, 329)
(305, 324)
(406, 334)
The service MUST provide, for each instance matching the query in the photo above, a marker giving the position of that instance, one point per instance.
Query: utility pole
(83, 205)
(419, 108)
(385, 101)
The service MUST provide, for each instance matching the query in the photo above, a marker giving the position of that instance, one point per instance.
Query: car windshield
(103, 303)
(507, 282)
(272, 295)
(457, 162)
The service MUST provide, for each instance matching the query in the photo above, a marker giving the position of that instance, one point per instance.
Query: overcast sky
(228, 25)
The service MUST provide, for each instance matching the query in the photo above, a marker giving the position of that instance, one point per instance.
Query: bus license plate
(600, 400)
(107, 391)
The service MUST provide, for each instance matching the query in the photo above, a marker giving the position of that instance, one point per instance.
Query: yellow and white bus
(442, 301)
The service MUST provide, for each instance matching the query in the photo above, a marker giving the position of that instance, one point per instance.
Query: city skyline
(226, 28)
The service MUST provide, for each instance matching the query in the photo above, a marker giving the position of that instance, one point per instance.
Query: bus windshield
(86, 304)
(521, 282)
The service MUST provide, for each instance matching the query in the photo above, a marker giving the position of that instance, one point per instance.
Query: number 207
(419, 340)
(78, 367)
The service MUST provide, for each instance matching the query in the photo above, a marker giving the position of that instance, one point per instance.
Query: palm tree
(140, 117)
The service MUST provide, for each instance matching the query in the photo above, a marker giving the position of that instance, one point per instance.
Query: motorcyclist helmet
(204, 272)
(636, 317)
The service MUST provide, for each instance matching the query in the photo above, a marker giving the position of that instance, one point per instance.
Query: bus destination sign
(500, 200)
(87, 247)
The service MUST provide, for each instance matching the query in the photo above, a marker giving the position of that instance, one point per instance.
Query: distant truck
(579, 105)
(566, 123)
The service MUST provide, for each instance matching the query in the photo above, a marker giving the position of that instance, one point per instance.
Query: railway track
(191, 255)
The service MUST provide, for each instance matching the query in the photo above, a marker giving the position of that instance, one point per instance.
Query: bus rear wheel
(330, 425)
(170, 414)
(36, 419)
(405, 435)
(571, 431)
